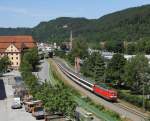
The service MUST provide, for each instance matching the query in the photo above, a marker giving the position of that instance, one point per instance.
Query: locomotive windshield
(105, 86)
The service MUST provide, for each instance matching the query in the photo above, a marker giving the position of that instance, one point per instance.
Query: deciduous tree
(4, 63)
(137, 73)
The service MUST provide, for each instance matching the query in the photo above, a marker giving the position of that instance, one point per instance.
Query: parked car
(81, 114)
(16, 105)
(38, 112)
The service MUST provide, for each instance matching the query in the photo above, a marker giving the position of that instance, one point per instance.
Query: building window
(12, 58)
(17, 58)
(17, 63)
(11, 53)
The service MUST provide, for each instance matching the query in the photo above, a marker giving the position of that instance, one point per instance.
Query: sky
(29, 13)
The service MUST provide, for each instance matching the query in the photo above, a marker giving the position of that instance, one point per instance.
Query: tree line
(141, 45)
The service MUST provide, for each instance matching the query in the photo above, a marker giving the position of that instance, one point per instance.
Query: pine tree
(115, 67)
(99, 68)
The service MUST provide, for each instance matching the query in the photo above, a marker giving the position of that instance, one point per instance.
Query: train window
(89, 85)
(86, 83)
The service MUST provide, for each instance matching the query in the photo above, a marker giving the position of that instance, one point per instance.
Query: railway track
(145, 118)
(119, 105)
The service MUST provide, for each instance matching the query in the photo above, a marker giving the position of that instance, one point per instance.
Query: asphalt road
(6, 94)
(121, 111)
(43, 73)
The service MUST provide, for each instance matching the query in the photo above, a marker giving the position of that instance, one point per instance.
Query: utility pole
(77, 64)
(71, 39)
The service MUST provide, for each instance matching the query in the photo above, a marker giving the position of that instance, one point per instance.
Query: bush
(148, 105)
(136, 100)
(113, 114)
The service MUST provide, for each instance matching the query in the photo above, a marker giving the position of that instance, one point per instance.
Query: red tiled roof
(20, 42)
(16, 39)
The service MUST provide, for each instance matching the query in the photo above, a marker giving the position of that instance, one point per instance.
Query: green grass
(51, 77)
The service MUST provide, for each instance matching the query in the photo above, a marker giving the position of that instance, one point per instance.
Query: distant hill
(129, 24)
(15, 31)
(59, 29)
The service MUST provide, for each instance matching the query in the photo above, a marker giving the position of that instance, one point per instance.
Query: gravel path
(44, 73)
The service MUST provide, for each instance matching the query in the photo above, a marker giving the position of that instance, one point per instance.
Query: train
(99, 89)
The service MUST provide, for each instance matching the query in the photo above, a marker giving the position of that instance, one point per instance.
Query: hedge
(136, 100)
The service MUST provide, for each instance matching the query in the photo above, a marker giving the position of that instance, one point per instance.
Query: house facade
(13, 47)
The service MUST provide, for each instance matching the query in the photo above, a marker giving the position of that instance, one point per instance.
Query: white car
(16, 103)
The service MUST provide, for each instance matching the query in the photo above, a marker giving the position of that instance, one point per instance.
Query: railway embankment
(92, 105)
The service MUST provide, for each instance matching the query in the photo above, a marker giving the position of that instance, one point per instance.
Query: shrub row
(103, 109)
(136, 100)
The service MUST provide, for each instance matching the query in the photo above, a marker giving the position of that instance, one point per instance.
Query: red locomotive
(105, 92)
